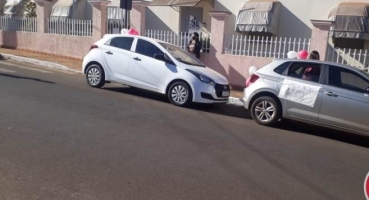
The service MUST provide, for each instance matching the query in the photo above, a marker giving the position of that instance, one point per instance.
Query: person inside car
(314, 55)
(311, 74)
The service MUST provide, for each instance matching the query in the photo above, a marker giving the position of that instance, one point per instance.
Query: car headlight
(202, 78)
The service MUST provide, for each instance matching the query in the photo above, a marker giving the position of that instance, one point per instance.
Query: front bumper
(205, 93)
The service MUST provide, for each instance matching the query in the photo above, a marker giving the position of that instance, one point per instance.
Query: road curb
(39, 62)
(235, 101)
(232, 100)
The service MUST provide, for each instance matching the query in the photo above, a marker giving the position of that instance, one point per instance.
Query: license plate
(225, 93)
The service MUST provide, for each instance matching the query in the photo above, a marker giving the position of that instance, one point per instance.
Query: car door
(346, 99)
(300, 90)
(144, 69)
(117, 55)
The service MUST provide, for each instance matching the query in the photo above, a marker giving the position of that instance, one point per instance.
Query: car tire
(266, 111)
(95, 76)
(180, 94)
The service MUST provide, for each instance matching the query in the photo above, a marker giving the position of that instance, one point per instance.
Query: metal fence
(353, 57)
(272, 47)
(25, 24)
(182, 40)
(115, 20)
(67, 26)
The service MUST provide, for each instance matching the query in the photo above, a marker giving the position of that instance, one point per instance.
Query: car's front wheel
(95, 76)
(179, 94)
(265, 111)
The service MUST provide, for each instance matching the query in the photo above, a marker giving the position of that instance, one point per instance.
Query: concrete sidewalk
(62, 63)
(71, 64)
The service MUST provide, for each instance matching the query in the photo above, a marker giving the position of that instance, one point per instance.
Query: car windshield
(182, 56)
(364, 73)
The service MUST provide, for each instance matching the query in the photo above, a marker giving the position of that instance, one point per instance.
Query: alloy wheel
(265, 111)
(179, 94)
(94, 76)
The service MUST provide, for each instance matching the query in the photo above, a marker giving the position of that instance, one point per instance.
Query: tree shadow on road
(221, 109)
(341, 136)
(26, 78)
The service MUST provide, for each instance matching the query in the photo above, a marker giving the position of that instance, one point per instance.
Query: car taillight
(251, 80)
(94, 46)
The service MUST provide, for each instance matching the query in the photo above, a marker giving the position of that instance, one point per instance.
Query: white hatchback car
(156, 66)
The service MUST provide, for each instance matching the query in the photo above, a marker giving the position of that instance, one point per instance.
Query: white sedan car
(156, 66)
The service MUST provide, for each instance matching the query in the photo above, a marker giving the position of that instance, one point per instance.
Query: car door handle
(137, 58)
(331, 94)
(109, 52)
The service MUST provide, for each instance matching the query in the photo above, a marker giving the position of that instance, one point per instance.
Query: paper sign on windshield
(299, 92)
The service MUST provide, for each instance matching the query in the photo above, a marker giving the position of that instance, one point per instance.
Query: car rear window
(282, 68)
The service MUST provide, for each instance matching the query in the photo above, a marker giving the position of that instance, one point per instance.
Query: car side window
(346, 79)
(121, 43)
(305, 71)
(147, 49)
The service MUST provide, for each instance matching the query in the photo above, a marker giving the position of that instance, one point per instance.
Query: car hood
(210, 73)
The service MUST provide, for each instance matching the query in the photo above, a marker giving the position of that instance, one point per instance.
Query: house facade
(238, 34)
(288, 18)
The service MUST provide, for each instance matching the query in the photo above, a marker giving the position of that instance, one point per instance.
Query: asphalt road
(61, 139)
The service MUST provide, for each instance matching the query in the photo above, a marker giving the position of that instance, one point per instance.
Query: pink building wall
(63, 45)
(235, 68)
(138, 16)
(56, 44)
(320, 36)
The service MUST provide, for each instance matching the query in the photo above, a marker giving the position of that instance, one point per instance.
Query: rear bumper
(246, 98)
(86, 60)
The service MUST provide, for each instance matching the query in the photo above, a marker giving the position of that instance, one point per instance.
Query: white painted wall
(294, 20)
(162, 18)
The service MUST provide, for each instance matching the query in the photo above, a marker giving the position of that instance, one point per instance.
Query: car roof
(108, 36)
(320, 62)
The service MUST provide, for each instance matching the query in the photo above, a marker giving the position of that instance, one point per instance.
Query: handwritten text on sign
(299, 92)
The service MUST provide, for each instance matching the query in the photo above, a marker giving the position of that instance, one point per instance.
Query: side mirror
(367, 90)
(160, 57)
(167, 58)
(164, 57)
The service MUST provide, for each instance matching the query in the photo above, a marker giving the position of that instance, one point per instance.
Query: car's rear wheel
(265, 111)
(179, 94)
(95, 76)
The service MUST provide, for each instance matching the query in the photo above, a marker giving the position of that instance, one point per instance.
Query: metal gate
(115, 20)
